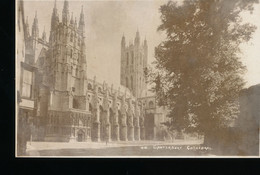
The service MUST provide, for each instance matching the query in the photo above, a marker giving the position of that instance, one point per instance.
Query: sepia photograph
(137, 78)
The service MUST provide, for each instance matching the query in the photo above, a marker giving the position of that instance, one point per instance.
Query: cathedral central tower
(133, 64)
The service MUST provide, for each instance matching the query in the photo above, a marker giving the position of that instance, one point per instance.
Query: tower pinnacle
(123, 41)
(71, 20)
(44, 34)
(81, 21)
(65, 12)
(145, 41)
(27, 33)
(35, 28)
(137, 37)
(55, 17)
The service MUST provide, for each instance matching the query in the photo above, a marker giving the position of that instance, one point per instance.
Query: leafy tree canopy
(198, 69)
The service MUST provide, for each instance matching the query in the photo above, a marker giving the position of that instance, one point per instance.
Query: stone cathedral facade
(70, 106)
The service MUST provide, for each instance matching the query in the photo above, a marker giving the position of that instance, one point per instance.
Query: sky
(106, 22)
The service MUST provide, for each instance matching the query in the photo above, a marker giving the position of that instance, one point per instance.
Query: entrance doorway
(80, 136)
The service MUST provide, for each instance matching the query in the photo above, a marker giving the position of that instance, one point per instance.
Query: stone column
(107, 126)
(137, 129)
(88, 129)
(130, 129)
(115, 118)
(116, 126)
(96, 126)
(96, 116)
(72, 137)
(136, 122)
(123, 129)
(142, 130)
(130, 121)
(106, 115)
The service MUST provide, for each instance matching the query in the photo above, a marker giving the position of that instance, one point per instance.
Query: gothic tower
(67, 50)
(65, 79)
(31, 41)
(133, 64)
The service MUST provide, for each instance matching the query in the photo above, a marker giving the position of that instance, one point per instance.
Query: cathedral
(69, 106)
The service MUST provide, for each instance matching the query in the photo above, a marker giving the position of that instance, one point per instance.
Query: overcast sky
(106, 21)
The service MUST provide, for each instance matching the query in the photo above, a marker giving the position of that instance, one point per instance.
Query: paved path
(122, 148)
(99, 145)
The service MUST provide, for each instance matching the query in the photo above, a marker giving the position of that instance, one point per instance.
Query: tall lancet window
(27, 84)
(127, 58)
(71, 37)
(126, 82)
(140, 59)
(76, 72)
(79, 42)
(132, 57)
(59, 35)
(132, 86)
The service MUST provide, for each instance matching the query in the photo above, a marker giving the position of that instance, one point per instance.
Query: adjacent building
(247, 124)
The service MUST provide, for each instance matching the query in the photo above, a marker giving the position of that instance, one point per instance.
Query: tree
(198, 69)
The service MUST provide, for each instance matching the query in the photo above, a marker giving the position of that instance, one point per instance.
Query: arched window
(132, 86)
(140, 59)
(99, 89)
(79, 41)
(90, 107)
(126, 82)
(77, 71)
(71, 53)
(75, 103)
(151, 104)
(59, 35)
(71, 37)
(89, 86)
